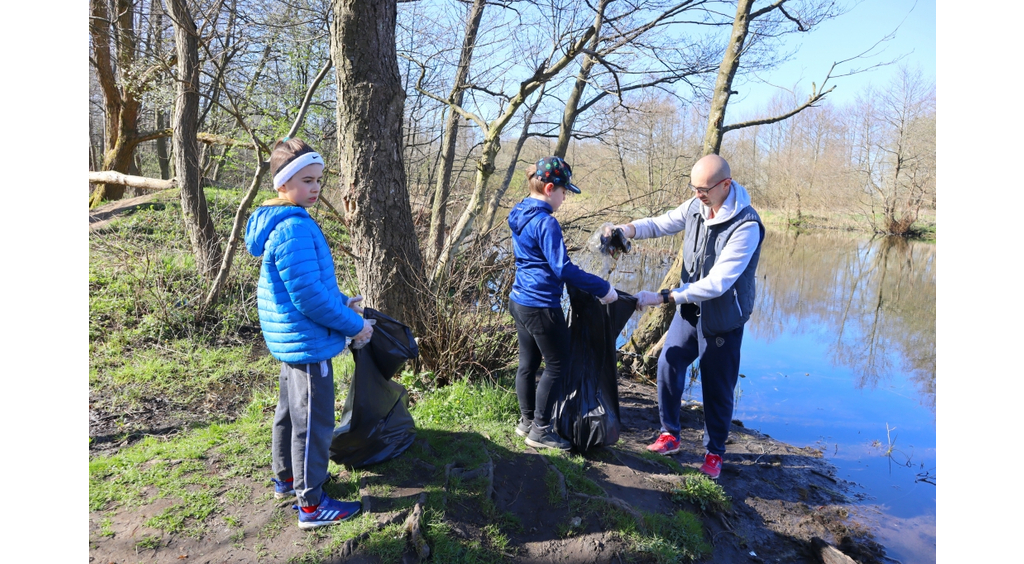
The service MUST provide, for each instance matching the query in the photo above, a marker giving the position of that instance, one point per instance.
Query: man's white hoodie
(734, 257)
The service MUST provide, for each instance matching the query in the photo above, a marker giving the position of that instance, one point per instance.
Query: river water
(838, 354)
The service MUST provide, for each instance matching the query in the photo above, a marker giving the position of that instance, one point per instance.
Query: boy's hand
(353, 304)
(361, 338)
(610, 297)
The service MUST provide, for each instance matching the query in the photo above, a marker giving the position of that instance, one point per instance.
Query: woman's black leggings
(543, 334)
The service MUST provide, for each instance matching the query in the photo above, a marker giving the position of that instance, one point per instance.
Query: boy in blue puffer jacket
(305, 321)
(542, 269)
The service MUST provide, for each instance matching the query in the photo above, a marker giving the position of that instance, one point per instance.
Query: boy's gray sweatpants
(304, 428)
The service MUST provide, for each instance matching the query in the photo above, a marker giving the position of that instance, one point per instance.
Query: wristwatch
(664, 296)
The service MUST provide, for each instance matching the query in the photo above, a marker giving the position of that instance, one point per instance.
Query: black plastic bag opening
(375, 423)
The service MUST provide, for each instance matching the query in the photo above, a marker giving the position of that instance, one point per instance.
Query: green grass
(463, 404)
(698, 489)
(388, 543)
(106, 529)
(670, 539)
(148, 543)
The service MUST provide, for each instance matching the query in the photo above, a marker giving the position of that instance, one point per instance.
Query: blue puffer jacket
(302, 312)
(542, 263)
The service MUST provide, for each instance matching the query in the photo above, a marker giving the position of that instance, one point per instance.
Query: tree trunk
(646, 338)
(162, 154)
(726, 73)
(237, 230)
(464, 226)
(198, 224)
(119, 101)
(156, 40)
(572, 105)
(435, 238)
(389, 268)
(492, 206)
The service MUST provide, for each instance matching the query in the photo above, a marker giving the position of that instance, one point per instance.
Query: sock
(309, 509)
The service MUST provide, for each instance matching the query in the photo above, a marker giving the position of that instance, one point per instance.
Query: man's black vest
(701, 246)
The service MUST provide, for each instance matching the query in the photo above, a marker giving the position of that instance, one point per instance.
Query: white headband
(289, 170)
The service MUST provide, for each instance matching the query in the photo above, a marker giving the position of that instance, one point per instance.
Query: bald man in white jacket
(722, 244)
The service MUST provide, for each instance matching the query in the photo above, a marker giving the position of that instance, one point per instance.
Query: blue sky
(841, 38)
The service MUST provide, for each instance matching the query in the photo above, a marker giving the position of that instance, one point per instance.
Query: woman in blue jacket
(543, 268)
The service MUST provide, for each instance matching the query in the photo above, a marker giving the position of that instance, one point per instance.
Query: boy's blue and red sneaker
(329, 512)
(666, 445)
(283, 488)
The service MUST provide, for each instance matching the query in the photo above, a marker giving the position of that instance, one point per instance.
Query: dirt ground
(786, 502)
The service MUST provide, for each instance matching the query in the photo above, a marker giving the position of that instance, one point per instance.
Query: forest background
(665, 146)
(192, 97)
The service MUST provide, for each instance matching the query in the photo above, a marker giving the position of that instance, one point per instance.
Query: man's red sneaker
(712, 465)
(666, 444)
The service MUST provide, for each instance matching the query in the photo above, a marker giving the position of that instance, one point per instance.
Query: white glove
(645, 299)
(361, 338)
(610, 297)
(353, 304)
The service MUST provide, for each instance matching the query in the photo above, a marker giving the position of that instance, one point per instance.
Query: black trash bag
(587, 411)
(375, 423)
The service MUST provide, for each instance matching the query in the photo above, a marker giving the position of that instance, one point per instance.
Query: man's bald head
(709, 170)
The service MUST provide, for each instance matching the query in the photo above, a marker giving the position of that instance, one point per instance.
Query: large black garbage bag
(587, 411)
(375, 423)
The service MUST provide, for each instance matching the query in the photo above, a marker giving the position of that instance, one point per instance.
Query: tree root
(413, 528)
(425, 465)
(561, 479)
(617, 503)
(619, 455)
(487, 469)
(364, 493)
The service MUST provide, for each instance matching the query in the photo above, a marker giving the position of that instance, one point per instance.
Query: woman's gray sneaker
(545, 437)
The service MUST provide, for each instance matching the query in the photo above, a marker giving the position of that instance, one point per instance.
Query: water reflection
(840, 350)
(873, 300)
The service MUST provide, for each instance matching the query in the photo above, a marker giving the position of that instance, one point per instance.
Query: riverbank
(924, 229)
